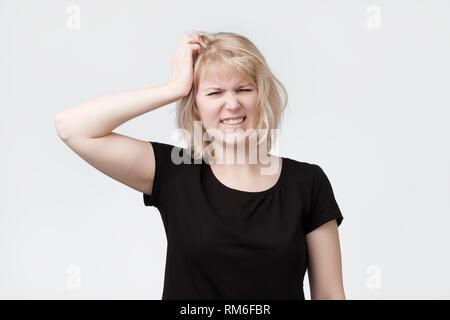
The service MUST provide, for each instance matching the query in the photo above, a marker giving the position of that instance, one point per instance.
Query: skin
(212, 105)
(220, 96)
(87, 129)
(325, 266)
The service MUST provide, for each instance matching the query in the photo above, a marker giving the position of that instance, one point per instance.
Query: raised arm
(87, 128)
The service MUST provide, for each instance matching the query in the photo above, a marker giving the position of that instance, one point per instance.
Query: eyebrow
(217, 88)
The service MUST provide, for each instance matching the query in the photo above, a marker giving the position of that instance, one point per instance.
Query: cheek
(207, 111)
(252, 104)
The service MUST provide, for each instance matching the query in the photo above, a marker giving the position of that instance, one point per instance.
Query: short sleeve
(324, 207)
(163, 164)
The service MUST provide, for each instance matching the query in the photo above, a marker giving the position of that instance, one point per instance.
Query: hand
(182, 70)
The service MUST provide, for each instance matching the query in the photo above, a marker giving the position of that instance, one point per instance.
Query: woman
(235, 229)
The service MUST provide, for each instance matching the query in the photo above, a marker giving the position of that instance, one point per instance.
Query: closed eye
(212, 93)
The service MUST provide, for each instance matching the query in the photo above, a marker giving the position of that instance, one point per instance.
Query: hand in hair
(182, 70)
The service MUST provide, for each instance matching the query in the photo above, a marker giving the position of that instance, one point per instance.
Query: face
(229, 96)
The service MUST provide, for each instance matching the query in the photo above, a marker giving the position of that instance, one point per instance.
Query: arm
(325, 267)
(87, 128)
(98, 117)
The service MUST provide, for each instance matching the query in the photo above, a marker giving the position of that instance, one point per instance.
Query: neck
(242, 163)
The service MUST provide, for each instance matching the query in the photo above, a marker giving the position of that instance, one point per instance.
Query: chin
(230, 136)
(232, 139)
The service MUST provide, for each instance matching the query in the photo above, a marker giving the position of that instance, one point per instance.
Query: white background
(369, 105)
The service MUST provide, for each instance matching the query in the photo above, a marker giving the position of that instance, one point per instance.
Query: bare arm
(87, 128)
(325, 266)
(98, 117)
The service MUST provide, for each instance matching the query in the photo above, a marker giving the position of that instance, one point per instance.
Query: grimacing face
(227, 96)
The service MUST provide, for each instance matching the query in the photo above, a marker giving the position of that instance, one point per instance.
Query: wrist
(174, 90)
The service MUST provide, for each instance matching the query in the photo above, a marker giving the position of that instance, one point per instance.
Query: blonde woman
(236, 229)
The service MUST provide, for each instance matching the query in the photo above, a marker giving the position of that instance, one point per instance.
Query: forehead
(222, 80)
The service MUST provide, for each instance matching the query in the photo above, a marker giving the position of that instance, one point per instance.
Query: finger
(189, 36)
(193, 36)
(199, 49)
(193, 40)
(196, 47)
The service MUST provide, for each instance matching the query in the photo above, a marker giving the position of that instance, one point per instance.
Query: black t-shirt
(224, 243)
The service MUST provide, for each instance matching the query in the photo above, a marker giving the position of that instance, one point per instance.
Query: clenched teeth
(233, 121)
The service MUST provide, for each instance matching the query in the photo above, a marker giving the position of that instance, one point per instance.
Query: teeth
(233, 121)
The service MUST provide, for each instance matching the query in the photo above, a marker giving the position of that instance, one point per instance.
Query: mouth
(233, 123)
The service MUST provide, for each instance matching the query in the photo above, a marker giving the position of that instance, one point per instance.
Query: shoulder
(303, 169)
(304, 174)
(171, 159)
(307, 179)
(165, 148)
(177, 154)
(308, 176)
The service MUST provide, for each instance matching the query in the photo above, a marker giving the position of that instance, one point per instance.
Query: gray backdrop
(368, 85)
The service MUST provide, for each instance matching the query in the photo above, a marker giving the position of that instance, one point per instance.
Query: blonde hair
(230, 52)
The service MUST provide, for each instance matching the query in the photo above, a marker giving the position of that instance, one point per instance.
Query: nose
(232, 101)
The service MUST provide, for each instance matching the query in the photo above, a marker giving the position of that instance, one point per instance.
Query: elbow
(61, 127)
(332, 295)
(328, 292)
(57, 124)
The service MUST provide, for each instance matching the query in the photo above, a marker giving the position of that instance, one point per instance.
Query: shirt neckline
(225, 188)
